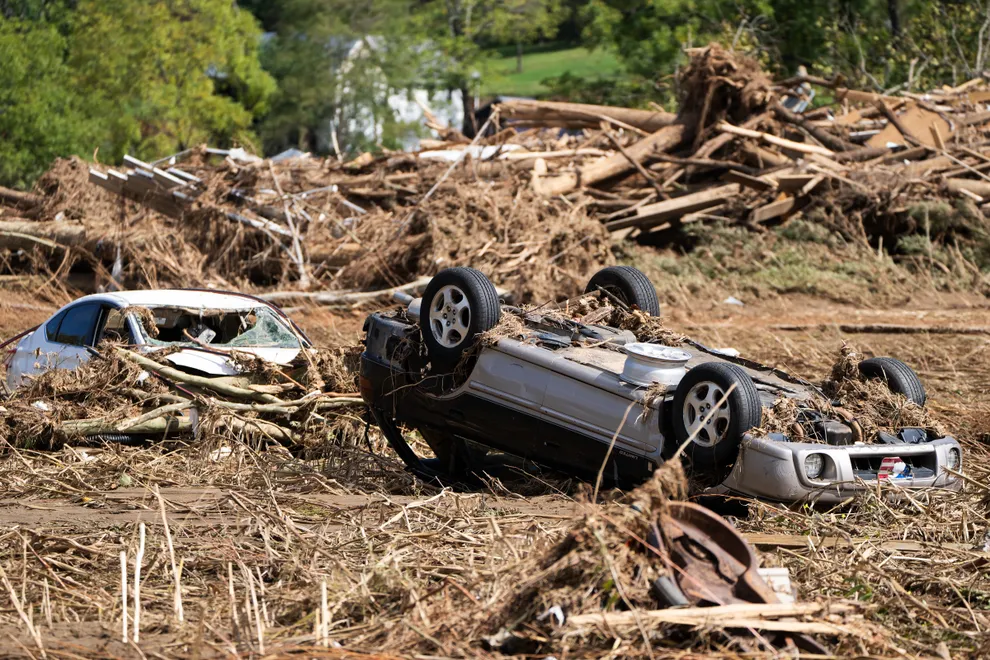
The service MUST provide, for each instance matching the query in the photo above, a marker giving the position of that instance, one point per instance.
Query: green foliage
(41, 115)
(337, 63)
(141, 76)
(459, 29)
(179, 72)
(625, 91)
(650, 34)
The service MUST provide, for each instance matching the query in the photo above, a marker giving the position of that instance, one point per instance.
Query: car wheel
(899, 377)
(715, 430)
(629, 285)
(458, 305)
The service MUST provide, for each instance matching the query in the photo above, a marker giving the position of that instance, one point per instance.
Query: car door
(63, 342)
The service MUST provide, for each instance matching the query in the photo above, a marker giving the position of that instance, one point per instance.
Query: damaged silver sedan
(203, 329)
(576, 393)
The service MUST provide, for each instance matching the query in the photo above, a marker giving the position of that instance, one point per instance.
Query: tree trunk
(519, 54)
(581, 115)
(469, 126)
(895, 19)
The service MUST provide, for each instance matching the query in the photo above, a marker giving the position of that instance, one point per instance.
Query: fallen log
(26, 235)
(757, 616)
(783, 143)
(981, 188)
(654, 214)
(20, 200)
(580, 115)
(664, 140)
(831, 141)
(345, 297)
(763, 158)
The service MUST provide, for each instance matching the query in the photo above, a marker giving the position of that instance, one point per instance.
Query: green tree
(522, 22)
(650, 35)
(460, 28)
(41, 115)
(168, 74)
(337, 63)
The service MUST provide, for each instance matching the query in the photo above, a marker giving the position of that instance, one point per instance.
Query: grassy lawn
(503, 79)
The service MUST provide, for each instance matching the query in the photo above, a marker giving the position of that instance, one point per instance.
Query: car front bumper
(775, 469)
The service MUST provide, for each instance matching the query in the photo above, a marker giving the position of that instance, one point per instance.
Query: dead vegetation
(533, 207)
(330, 549)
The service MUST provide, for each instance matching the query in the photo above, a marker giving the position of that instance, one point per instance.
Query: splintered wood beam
(654, 214)
(777, 209)
(664, 140)
(754, 182)
(793, 182)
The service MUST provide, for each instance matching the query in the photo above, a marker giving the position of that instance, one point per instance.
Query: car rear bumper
(776, 469)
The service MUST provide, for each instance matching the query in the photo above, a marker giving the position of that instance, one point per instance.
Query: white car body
(52, 346)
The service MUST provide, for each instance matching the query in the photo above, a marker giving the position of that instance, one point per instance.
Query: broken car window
(256, 328)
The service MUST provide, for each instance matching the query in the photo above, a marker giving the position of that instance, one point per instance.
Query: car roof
(189, 298)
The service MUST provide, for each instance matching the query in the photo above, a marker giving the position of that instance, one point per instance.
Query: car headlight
(955, 458)
(814, 465)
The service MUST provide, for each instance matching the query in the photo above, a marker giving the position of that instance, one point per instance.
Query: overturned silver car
(584, 397)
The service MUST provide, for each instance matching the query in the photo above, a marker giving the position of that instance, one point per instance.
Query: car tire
(629, 285)
(458, 305)
(715, 445)
(899, 377)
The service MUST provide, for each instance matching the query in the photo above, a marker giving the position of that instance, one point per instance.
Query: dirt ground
(256, 538)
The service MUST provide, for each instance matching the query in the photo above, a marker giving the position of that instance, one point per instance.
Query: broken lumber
(830, 140)
(663, 140)
(654, 214)
(779, 208)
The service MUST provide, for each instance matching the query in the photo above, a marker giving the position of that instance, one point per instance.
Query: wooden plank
(104, 181)
(777, 209)
(858, 96)
(654, 214)
(131, 161)
(975, 118)
(792, 182)
(167, 180)
(982, 167)
(916, 121)
(937, 164)
(811, 185)
(980, 97)
(175, 171)
(754, 182)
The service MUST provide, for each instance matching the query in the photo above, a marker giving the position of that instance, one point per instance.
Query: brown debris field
(261, 516)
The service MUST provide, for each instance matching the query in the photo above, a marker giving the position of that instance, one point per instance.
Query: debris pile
(123, 396)
(533, 199)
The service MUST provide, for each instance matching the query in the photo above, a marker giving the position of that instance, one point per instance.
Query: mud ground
(955, 369)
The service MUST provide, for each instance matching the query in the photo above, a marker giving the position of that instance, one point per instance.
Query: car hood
(216, 364)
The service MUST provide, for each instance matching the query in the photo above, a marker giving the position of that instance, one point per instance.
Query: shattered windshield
(174, 326)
